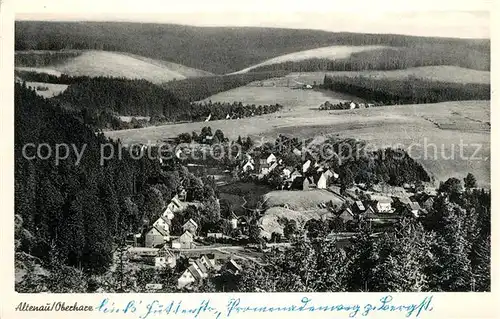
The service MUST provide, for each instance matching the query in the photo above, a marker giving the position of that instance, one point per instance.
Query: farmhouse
(165, 258)
(413, 208)
(234, 220)
(271, 159)
(305, 166)
(190, 226)
(383, 205)
(248, 166)
(185, 241)
(359, 207)
(347, 215)
(196, 272)
(164, 223)
(156, 236)
(233, 267)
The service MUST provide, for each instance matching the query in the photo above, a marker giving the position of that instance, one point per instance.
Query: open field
(269, 222)
(330, 52)
(300, 200)
(116, 64)
(442, 73)
(450, 126)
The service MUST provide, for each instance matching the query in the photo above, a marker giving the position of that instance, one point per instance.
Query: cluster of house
(310, 175)
(345, 105)
(380, 208)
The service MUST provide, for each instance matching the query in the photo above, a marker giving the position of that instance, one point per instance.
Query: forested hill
(216, 49)
(73, 212)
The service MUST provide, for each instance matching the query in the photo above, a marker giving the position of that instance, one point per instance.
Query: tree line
(410, 90)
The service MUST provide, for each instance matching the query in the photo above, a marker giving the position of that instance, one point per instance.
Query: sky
(444, 18)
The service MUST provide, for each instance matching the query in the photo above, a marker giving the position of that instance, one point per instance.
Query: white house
(352, 105)
(234, 220)
(297, 152)
(286, 172)
(189, 276)
(384, 205)
(271, 159)
(322, 182)
(306, 165)
(165, 258)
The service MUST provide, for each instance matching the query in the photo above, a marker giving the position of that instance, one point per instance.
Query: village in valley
(246, 238)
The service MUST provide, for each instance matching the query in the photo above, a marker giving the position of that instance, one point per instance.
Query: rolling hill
(104, 63)
(442, 73)
(330, 52)
(218, 50)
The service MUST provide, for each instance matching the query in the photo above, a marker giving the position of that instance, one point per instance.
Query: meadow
(113, 64)
(330, 52)
(416, 127)
(442, 73)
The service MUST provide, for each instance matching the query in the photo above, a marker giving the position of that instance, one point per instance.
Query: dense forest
(32, 76)
(75, 210)
(390, 59)
(44, 58)
(406, 91)
(101, 99)
(215, 49)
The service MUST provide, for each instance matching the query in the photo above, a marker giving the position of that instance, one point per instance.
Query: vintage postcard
(170, 158)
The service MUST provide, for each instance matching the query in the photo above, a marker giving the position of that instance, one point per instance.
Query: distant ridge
(218, 50)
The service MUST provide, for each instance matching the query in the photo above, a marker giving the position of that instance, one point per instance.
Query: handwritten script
(149, 309)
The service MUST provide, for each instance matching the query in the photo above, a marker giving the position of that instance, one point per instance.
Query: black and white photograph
(314, 151)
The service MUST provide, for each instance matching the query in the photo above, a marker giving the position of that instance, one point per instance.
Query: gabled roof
(201, 266)
(414, 206)
(359, 205)
(187, 233)
(347, 210)
(176, 201)
(160, 230)
(192, 222)
(234, 264)
(166, 220)
(195, 272)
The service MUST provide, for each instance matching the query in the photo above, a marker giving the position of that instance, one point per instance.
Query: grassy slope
(330, 52)
(443, 73)
(445, 125)
(215, 49)
(115, 64)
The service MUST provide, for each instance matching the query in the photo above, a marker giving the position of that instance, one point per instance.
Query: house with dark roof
(233, 267)
(156, 236)
(190, 226)
(359, 207)
(196, 272)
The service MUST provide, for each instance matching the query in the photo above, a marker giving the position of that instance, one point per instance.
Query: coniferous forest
(79, 209)
(406, 91)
